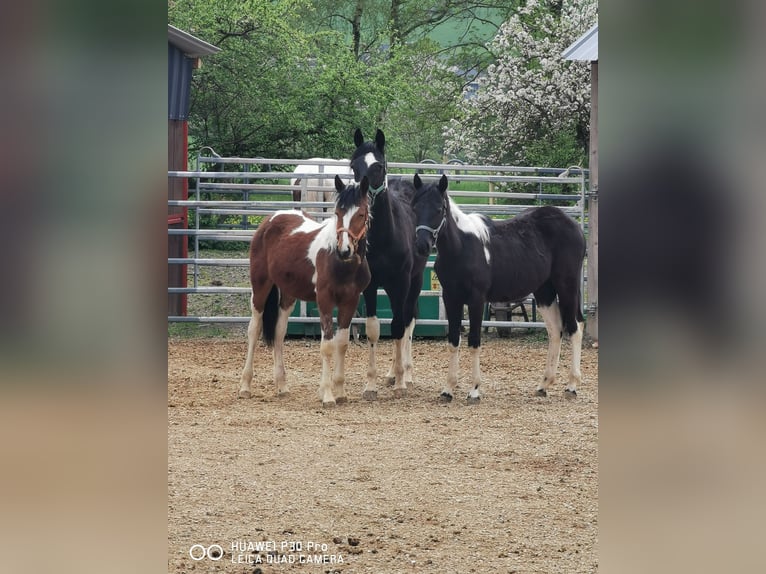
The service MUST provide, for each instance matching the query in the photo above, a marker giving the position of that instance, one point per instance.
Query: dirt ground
(277, 484)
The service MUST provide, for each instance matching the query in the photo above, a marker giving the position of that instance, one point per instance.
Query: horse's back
(402, 189)
(544, 227)
(537, 245)
(280, 253)
(344, 171)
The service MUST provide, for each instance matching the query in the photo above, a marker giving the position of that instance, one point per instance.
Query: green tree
(532, 107)
(294, 78)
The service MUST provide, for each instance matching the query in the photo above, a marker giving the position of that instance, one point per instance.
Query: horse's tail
(270, 316)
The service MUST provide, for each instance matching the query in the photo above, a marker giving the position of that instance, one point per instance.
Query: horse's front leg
(372, 328)
(327, 348)
(454, 310)
(475, 316)
(346, 311)
(410, 306)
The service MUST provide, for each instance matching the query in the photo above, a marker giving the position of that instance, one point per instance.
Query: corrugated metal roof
(585, 48)
(179, 83)
(190, 45)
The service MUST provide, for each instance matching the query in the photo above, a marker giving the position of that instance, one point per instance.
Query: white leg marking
(399, 387)
(372, 328)
(326, 348)
(279, 347)
(454, 363)
(473, 393)
(339, 376)
(407, 354)
(552, 317)
(253, 334)
(575, 376)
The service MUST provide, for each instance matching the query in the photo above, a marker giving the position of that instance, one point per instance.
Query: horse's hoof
(400, 393)
(283, 394)
(541, 393)
(390, 381)
(570, 394)
(244, 394)
(473, 400)
(445, 397)
(328, 404)
(341, 400)
(370, 395)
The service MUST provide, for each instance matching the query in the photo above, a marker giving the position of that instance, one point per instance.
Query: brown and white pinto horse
(292, 256)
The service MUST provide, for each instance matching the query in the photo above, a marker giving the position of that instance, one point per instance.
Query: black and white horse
(394, 264)
(540, 251)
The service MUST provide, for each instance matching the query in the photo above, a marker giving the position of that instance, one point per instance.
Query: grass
(206, 330)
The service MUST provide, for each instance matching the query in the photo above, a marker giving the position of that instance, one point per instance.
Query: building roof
(190, 45)
(585, 48)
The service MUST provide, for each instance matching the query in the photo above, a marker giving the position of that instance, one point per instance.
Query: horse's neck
(382, 212)
(450, 238)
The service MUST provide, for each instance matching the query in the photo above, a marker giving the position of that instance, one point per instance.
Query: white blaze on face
(472, 223)
(369, 159)
(345, 239)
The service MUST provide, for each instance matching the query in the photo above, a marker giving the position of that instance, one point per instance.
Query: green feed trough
(428, 308)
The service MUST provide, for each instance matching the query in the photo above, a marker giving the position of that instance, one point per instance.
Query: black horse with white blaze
(394, 264)
(540, 251)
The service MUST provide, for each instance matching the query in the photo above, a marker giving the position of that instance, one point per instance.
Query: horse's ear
(358, 137)
(380, 140)
(364, 186)
(443, 184)
(339, 185)
(417, 182)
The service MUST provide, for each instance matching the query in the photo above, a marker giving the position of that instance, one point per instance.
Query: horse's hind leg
(280, 379)
(411, 311)
(573, 322)
(575, 375)
(402, 361)
(549, 309)
(253, 334)
(372, 328)
(407, 354)
(396, 296)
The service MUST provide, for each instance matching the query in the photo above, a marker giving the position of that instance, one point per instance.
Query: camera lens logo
(199, 552)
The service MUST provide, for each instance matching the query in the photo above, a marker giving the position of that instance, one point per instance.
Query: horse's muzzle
(423, 243)
(345, 254)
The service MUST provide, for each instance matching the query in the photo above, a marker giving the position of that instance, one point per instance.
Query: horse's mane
(349, 197)
(473, 223)
(420, 192)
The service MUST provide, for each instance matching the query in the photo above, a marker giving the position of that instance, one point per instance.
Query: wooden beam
(591, 325)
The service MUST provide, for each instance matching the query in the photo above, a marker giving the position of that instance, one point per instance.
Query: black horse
(540, 251)
(394, 264)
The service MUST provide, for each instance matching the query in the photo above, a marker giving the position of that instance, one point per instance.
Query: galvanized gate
(229, 195)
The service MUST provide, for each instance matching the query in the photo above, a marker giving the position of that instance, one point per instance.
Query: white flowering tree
(531, 107)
